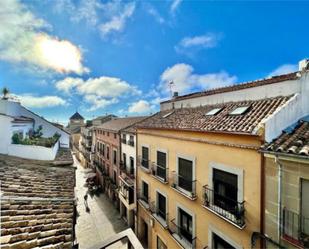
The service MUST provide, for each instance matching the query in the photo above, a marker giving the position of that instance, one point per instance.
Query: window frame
(190, 158)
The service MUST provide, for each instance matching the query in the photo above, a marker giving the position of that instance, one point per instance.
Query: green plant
(15, 139)
(38, 133)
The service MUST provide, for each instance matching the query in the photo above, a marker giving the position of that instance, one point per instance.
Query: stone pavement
(101, 222)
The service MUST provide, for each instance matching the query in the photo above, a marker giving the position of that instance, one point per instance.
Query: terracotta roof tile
(196, 120)
(294, 142)
(118, 124)
(37, 204)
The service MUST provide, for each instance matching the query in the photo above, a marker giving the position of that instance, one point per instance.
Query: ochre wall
(249, 160)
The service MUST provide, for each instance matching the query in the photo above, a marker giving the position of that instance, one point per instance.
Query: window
(131, 140)
(219, 243)
(108, 134)
(107, 152)
(239, 110)
(115, 176)
(145, 191)
(115, 135)
(160, 244)
(185, 174)
(124, 160)
(185, 224)
(131, 165)
(124, 139)
(213, 112)
(161, 165)
(104, 133)
(115, 156)
(161, 206)
(103, 149)
(145, 157)
(225, 190)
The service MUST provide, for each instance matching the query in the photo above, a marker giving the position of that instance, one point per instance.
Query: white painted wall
(16, 109)
(33, 152)
(130, 151)
(291, 112)
(283, 88)
(5, 133)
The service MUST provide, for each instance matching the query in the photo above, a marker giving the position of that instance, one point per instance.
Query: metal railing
(184, 185)
(163, 216)
(226, 207)
(144, 164)
(295, 228)
(160, 172)
(183, 235)
(141, 196)
(131, 142)
(123, 140)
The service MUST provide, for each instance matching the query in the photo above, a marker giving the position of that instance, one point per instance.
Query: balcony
(181, 235)
(123, 140)
(123, 168)
(161, 173)
(226, 208)
(127, 192)
(184, 186)
(144, 200)
(160, 216)
(295, 228)
(144, 164)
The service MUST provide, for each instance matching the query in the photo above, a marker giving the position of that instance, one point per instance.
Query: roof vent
(303, 65)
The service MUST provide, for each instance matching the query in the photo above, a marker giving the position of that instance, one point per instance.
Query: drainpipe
(279, 196)
(262, 201)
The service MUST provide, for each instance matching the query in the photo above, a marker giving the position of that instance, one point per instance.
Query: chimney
(175, 95)
(303, 65)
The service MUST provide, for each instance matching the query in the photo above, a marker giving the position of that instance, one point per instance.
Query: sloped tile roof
(239, 86)
(195, 119)
(37, 204)
(118, 124)
(293, 142)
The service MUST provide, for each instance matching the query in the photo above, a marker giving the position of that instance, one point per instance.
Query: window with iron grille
(185, 174)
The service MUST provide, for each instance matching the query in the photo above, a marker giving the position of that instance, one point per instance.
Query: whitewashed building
(16, 119)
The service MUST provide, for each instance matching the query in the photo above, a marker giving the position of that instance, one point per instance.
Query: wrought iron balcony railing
(144, 164)
(131, 143)
(295, 228)
(226, 207)
(123, 140)
(144, 198)
(184, 185)
(160, 172)
(182, 235)
(159, 215)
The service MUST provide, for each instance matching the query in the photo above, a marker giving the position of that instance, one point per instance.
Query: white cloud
(117, 22)
(189, 45)
(32, 101)
(185, 80)
(284, 69)
(24, 39)
(175, 4)
(140, 107)
(108, 17)
(153, 12)
(99, 92)
(98, 102)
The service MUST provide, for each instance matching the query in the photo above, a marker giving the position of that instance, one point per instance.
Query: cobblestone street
(102, 221)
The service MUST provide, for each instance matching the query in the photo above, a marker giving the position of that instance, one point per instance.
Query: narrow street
(103, 219)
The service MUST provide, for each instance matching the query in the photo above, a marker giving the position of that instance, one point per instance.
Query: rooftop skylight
(239, 110)
(213, 112)
(167, 114)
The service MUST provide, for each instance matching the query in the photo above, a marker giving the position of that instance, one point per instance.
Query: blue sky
(119, 57)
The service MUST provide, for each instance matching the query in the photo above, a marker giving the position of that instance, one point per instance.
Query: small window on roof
(168, 114)
(213, 112)
(239, 110)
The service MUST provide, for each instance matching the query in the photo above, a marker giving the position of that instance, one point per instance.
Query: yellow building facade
(207, 151)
